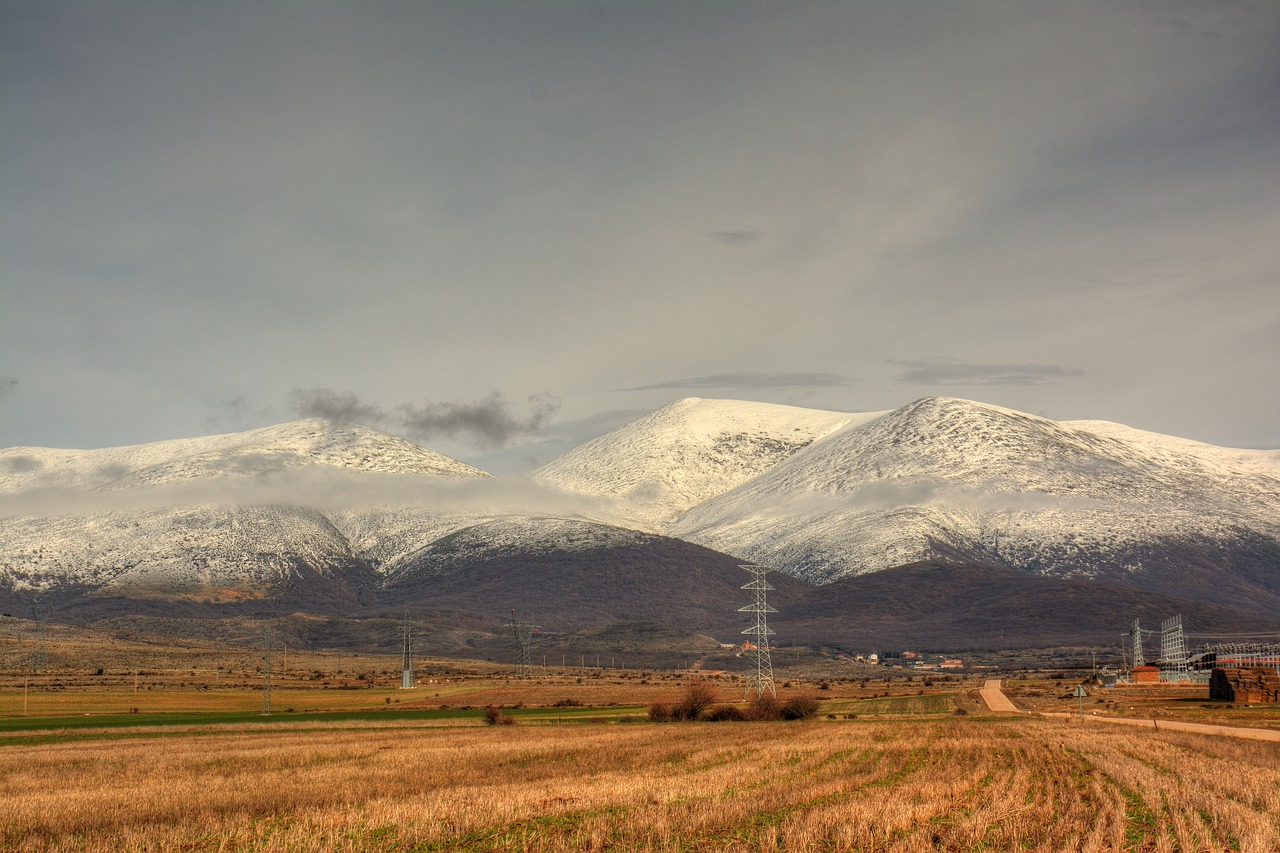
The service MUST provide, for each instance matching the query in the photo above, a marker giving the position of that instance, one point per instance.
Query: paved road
(997, 701)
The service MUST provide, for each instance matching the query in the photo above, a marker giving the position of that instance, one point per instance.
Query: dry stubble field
(943, 784)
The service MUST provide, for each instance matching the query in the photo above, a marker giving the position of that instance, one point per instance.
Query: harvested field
(955, 784)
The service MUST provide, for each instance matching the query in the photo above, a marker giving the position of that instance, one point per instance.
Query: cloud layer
(1069, 207)
(491, 422)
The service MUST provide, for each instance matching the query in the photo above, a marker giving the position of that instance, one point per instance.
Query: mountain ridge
(343, 516)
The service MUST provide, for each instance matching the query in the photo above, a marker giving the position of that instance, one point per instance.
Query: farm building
(1145, 675)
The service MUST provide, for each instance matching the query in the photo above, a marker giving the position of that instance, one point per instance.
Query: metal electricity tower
(1135, 644)
(406, 656)
(760, 678)
(523, 632)
(1173, 650)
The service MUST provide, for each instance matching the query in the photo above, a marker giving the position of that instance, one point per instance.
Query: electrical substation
(1180, 663)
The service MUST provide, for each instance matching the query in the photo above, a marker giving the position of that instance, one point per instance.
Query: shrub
(699, 695)
(764, 708)
(800, 708)
(659, 712)
(493, 716)
(722, 713)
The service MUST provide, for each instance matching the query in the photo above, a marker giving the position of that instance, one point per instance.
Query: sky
(501, 227)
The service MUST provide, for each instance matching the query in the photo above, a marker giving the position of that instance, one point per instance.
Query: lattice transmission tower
(522, 630)
(406, 656)
(760, 677)
(1135, 644)
(1173, 650)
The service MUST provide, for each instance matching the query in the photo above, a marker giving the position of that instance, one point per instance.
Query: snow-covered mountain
(270, 450)
(221, 518)
(955, 480)
(688, 452)
(348, 513)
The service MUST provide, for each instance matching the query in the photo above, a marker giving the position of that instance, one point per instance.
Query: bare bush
(698, 696)
(660, 712)
(723, 713)
(764, 708)
(800, 708)
(493, 716)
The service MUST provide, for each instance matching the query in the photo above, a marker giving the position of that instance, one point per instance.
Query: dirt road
(998, 702)
(995, 698)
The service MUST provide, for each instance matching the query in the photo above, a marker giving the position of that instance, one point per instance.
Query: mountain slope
(686, 453)
(222, 517)
(569, 575)
(270, 450)
(968, 482)
(344, 520)
(953, 607)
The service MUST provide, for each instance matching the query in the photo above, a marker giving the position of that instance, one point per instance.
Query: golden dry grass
(939, 785)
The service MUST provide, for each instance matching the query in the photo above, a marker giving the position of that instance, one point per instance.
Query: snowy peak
(955, 440)
(950, 479)
(688, 452)
(983, 448)
(299, 444)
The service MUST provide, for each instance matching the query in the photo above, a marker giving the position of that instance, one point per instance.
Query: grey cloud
(7, 386)
(951, 372)
(850, 181)
(489, 422)
(748, 380)
(736, 236)
(335, 406)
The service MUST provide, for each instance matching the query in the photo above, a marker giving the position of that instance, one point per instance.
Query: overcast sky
(502, 227)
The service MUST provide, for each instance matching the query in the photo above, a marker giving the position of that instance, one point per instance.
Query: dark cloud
(7, 385)
(952, 372)
(335, 406)
(746, 379)
(490, 422)
(736, 236)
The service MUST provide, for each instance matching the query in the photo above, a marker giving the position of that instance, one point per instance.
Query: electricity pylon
(523, 632)
(760, 678)
(406, 658)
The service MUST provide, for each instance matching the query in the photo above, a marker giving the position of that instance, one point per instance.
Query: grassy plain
(928, 784)
(140, 748)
